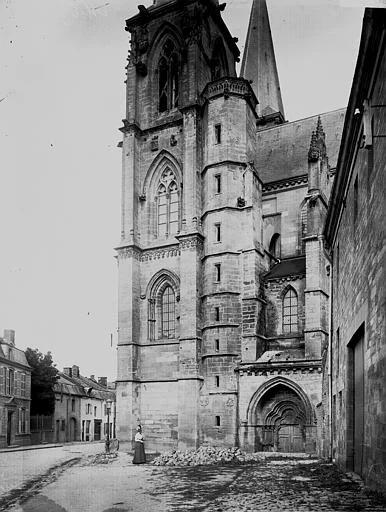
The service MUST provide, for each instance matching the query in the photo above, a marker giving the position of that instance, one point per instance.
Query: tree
(43, 378)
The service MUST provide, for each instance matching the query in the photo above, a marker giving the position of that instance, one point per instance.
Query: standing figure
(139, 447)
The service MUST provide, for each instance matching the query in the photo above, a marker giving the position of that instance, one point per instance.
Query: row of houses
(81, 410)
(84, 406)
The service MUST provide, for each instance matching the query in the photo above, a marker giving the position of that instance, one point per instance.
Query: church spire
(259, 62)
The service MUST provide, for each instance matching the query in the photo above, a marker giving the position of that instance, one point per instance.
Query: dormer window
(168, 76)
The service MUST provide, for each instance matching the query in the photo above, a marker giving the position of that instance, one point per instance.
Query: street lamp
(108, 409)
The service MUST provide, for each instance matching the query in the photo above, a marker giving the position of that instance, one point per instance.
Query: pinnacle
(319, 129)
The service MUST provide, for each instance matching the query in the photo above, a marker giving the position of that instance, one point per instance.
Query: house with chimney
(80, 410)
(15, 393)
(94, 422)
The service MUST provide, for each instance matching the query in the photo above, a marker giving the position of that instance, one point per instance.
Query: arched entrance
(282, 417)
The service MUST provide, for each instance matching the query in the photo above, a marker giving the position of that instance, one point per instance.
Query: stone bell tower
(177, 48)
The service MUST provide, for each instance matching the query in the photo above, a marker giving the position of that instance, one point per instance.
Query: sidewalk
(47, 445)
(29, 447)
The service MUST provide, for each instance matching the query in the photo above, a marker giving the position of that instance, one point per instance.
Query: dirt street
(269, 486)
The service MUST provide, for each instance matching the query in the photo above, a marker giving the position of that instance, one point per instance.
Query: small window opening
(217, 133)
(218, 232)
(218, 272)
(217, 179)
(217, 345)
(218, 421)
(217, 381)
(217, 313)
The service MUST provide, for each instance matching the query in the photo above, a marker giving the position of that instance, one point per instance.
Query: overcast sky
(62, 100)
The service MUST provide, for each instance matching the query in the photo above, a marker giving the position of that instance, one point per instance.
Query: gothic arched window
(163, 311)
(290, 311)
(168, 77)
(168, 313)
(168, 204)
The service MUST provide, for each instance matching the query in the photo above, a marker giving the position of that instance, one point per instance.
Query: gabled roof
(282, 151)
(93, 389)
(82, 386)
(66, 386)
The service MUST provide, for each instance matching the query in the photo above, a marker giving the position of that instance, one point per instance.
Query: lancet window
(168, 77)
(290, 311)
(168, 313)
(168, 204)
(163, 307)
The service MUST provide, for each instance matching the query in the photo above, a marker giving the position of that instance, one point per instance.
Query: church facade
(223, 278)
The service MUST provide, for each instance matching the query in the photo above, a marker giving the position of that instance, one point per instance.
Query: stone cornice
(191, 241)
(219, 325)
(280, 367)
(213, 294)
(131, 251)
(224, 208)
(273, 186)
(284, 279)
(231, 86)
(160, 253)
(155, 253)
(222, 253)
(159, 125)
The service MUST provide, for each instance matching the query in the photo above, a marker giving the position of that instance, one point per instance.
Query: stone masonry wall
(359, 300)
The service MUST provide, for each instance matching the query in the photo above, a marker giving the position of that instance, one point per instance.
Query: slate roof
(283, 150)
(66, 386)
(288, 267)
(11, 353)
(82, 386)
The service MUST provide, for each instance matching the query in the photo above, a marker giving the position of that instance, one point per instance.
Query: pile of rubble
(101, 458)
(206, 456)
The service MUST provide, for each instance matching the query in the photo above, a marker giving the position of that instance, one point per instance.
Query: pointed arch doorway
(283, 418)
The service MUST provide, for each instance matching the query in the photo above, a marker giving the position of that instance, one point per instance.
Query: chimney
(9, 336)
(75, 371)
(67, 371)
(102, 381)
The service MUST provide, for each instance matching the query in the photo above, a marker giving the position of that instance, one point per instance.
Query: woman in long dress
(139, 448)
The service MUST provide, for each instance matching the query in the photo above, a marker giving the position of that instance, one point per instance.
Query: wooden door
(9, 427)
(290, 439)
(359, 394)
(97, 430)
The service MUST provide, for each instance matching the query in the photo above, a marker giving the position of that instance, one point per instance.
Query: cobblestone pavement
(269, 486)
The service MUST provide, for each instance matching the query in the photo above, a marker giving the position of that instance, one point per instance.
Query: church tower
(190, 250)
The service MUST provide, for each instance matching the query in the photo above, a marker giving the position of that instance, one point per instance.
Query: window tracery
(168, 199)
(163, 306)
(168, 77)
